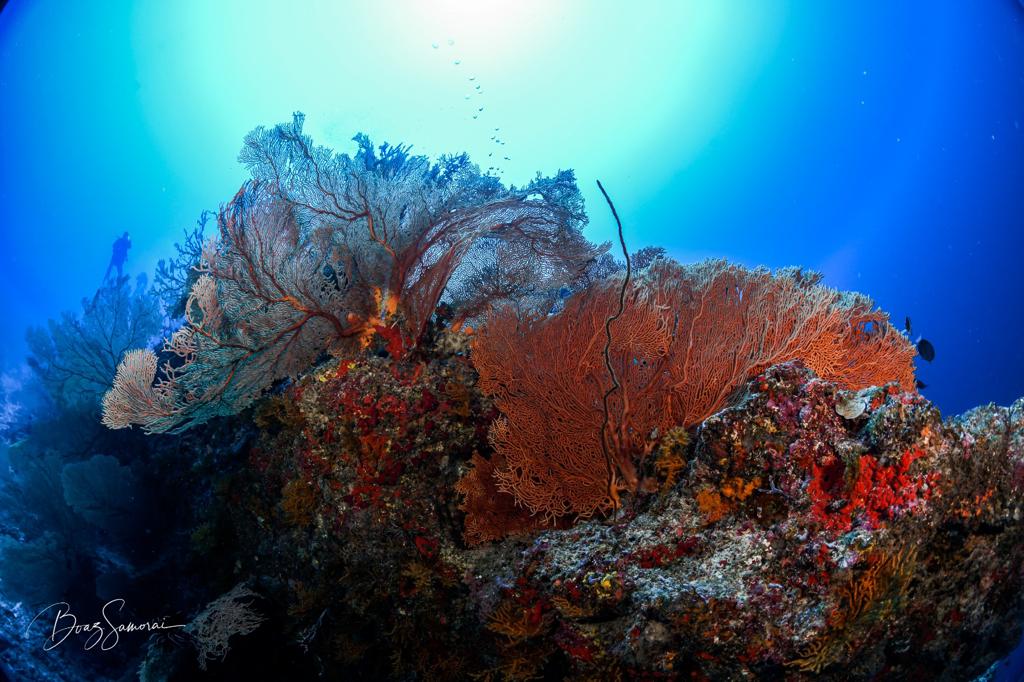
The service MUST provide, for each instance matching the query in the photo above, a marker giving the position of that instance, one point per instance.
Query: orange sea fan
(689, 336)
(490, 513)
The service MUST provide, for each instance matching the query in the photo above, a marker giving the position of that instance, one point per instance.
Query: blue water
(881, 143)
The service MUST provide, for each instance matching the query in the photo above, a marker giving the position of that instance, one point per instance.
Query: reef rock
(790, 538)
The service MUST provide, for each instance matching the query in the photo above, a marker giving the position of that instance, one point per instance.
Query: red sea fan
(688, 337)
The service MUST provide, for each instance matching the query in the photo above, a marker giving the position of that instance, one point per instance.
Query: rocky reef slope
(804, 533)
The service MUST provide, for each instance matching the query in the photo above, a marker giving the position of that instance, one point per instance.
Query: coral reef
(783, 540)
(412, 425)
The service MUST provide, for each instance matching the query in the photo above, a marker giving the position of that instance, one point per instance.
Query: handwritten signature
(104, 634)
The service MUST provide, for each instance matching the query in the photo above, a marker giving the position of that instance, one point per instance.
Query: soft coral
(880, 492)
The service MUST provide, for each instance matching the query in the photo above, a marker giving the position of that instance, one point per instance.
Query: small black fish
(925, 349)
(908, 325)
(920, 384)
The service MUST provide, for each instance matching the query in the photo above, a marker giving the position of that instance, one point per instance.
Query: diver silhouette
(120, 254)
